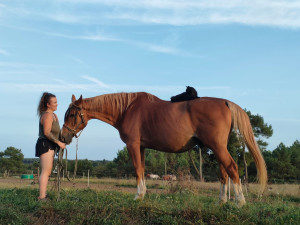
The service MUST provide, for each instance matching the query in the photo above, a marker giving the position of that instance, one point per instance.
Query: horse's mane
(118, 101)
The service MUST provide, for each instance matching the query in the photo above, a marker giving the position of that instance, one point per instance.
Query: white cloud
(97, 37)
(65, 18)
(278, 13)
(21, 65)
(60, 85)
(162, 49)
(78, 60)
(96, 81)
(165, 50)
(188, 4)
(156, 48)
(3, 52)
(90, 37)
(147, 46)
(168, 12)
(38, 87)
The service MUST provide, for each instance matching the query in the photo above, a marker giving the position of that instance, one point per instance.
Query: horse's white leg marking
(141, 189)
(239, 196)
(223, 194)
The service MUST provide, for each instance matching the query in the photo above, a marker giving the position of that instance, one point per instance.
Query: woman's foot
(45, 199)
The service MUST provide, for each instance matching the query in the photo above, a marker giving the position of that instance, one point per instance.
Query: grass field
(110, 201)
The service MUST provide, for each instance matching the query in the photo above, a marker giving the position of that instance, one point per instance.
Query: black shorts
(44, 145)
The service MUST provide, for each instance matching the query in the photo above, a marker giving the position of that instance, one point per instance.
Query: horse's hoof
(139, 197)
(222, 201)
(241, 203)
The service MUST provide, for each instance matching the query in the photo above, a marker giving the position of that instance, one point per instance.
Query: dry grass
(159, 186)
(283, 189)
(15, 183)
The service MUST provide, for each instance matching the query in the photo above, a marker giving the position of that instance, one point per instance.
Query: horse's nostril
(64, 140)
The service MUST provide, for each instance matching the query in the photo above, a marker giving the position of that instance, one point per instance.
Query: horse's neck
(108, 108)
(94, 111)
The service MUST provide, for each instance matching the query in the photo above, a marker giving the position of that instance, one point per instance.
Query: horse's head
(75, 120)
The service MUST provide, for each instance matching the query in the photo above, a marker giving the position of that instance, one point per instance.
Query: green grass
(19, 206)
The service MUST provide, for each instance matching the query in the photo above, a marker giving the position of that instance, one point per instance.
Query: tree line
(283, 163)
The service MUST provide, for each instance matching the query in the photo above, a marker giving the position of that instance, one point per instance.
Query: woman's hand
(61, 144)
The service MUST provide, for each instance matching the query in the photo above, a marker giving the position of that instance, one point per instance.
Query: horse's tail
(241, 123)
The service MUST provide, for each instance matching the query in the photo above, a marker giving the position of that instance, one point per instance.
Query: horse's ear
(73, 98)
(79, 101)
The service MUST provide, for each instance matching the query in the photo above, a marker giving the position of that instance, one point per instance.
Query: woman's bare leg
(46, 161)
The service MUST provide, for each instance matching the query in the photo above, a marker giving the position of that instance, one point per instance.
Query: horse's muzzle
(66, 138)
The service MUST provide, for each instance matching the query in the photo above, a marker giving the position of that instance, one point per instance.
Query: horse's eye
(72, 115)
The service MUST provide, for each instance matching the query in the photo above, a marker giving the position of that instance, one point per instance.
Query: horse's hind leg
(143, 171)
(231, 168)
(224, 185)
(138, 159)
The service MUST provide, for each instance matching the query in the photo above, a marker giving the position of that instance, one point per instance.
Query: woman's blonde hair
(46, 96)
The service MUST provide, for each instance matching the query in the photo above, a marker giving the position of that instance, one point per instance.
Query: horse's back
(213, 110)
(173, 127)
(200, 110)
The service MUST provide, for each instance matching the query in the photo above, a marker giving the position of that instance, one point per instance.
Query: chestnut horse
(145, 121)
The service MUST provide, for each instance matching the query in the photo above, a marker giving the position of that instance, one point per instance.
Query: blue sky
(244, 51)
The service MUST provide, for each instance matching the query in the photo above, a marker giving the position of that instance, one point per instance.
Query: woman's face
(52, 105)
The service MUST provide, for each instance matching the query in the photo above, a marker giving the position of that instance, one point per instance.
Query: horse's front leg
(138, 159)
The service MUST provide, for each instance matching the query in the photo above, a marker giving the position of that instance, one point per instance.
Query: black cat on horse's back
(189, 94)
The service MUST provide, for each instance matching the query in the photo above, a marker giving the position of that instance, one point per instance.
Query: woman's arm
(47, 121)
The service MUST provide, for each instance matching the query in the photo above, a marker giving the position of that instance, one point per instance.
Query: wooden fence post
(88, 178)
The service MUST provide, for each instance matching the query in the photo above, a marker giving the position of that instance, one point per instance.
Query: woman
(47, 142)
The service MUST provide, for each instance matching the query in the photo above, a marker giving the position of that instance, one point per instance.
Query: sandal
(43, 199)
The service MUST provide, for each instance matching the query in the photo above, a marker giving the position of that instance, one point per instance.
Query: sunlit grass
(272, 189)
(86, 206)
